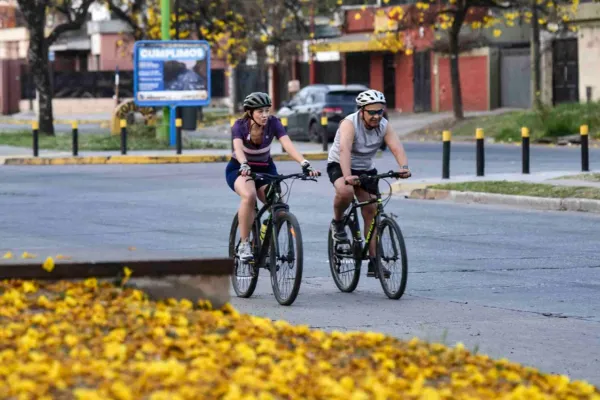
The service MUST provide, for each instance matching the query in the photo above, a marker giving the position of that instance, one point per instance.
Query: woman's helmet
(257, 100)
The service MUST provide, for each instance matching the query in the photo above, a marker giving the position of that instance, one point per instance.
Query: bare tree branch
(73, 25)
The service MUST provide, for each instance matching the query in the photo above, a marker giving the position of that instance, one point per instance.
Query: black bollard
(123, 136)
(585, 151)
(36, 143)
(178, 124)
(446, 138)
(75, 133)
(525, 149)
(480, 152)
(284, 122)
(324, 134)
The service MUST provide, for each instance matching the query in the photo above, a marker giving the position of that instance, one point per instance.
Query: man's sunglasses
(375, 112)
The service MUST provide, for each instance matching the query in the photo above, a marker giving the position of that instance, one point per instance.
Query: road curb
(538, 203)
(133, 159)
(56, 121)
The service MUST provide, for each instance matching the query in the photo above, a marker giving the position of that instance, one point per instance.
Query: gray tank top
(365, 145)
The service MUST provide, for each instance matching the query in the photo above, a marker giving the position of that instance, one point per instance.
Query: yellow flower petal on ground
(48, 264)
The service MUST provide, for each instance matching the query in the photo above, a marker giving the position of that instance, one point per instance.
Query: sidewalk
(24, 156)
(420, 189)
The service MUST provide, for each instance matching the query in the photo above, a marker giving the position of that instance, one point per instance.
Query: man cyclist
(356, 142)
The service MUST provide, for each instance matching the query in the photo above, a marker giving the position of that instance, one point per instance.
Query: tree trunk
(38, 61)
(457, 105)
(262, 68)
(536, 70)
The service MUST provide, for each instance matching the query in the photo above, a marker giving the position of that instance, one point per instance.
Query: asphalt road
(514, 283)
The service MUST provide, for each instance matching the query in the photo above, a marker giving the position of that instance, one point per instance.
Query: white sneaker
(244, 252)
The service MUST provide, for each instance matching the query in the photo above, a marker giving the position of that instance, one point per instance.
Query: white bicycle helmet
(370, 96)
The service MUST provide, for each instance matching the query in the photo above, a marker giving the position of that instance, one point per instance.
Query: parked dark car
(306, 108)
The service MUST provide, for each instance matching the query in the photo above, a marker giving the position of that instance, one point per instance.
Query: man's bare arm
(346, 140)
(393, 143)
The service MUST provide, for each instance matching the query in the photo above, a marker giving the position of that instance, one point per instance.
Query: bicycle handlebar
(300, 175)
(390, 174)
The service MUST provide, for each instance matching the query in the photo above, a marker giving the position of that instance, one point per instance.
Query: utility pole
(178, 110)
(535, 57)
(165, 26)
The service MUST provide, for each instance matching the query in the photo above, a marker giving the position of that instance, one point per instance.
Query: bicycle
(359, 252)
(263, 242)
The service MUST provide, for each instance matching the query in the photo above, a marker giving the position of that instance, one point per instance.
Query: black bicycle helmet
(257, 100)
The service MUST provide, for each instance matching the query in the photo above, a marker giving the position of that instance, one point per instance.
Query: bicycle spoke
(286, 260)
(392, 257)
(345, 269)
(245, 275)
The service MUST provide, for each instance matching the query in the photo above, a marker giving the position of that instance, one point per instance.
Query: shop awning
(349, 43)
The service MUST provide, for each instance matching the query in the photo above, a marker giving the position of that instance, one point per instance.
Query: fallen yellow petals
(7, 255)
(93, 340)
(28, 255)
(48, 264)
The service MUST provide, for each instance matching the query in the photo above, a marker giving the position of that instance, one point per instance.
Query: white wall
(589, 61)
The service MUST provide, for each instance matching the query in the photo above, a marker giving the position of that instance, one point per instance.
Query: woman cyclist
(252, 137)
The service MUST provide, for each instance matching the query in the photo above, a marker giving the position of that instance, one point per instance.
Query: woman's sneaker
(244, 252)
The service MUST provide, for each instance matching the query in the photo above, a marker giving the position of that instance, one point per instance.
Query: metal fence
(100, 84)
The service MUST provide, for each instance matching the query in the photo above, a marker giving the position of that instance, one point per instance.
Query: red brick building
(413, 82)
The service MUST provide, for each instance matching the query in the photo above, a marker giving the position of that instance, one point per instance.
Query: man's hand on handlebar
(352, 180)
(404, 173)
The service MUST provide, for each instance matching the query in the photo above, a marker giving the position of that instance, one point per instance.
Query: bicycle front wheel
(286, 257)
(245, 274)
(345, 268)
(392, 261)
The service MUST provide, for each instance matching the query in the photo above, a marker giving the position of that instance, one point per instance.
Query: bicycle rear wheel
(286, 258)
(245, 274)
(391, 255)
(345, 270)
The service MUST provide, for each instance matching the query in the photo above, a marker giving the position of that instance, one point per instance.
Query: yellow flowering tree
(281, 25)
(212, 21)
(451, 16)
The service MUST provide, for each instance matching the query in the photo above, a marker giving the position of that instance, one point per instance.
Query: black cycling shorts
(334, 170)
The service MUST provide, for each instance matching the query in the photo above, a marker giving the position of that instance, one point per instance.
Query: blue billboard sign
(171, 73)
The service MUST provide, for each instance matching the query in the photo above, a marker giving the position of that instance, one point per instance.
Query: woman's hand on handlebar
(244, 169)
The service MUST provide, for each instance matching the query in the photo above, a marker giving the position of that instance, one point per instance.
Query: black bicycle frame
(273, 205)
(354, 212)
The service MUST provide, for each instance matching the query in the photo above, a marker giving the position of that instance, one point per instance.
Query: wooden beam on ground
(109, 269)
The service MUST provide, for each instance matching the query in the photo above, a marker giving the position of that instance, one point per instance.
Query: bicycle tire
(280, 219)
(395, 228)
(255, 241)
(356, 248)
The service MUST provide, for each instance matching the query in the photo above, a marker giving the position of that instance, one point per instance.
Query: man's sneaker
(340, 238)
(244, 252)
(372, 272)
